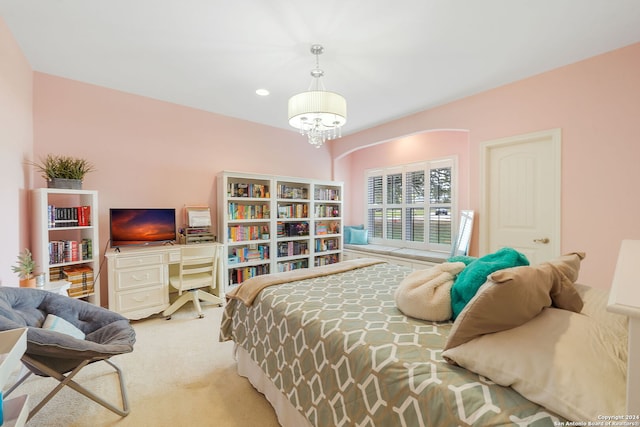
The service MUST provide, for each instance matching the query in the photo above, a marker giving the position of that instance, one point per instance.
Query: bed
(330, 347)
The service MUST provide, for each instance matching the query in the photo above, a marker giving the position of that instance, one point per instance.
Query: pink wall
(596, 103)
(16, 146)
(150, 153)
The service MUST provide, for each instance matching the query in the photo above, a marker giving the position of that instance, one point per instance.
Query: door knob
(544, 240)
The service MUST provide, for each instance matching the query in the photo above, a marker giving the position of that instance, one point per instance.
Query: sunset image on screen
(142, 226)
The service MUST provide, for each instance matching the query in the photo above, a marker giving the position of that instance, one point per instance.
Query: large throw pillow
(359, 237)
(426, 294)
(475, 274)
(559, 360)
(58, 324)
(513, 296)
(347, 232)
(560, 274)
(614, 324)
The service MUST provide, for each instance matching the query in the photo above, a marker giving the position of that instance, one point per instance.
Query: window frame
(425, 166)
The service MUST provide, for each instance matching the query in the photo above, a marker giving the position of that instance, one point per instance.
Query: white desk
(139, 279)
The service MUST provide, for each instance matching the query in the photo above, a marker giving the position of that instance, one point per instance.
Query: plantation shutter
(375, 197)
(440, 209)
(412, 205)
(414, 218)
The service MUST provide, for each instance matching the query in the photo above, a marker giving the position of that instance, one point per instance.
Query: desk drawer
(139, 260)
(150, 297)
(139, 277)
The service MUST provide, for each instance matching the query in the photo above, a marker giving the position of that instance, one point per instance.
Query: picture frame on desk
(197, 216)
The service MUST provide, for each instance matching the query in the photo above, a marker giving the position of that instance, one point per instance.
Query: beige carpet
(178, 375)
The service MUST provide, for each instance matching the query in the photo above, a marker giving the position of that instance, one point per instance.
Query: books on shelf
(81, 279)
(323, 245)
(239, 233)
(62, 251)
(332, 227)
(239, 275)
(326, 260)
(292, 265)
(245, 254)
(244, 211)
(294, 210)
(56, 274)
(292, 248)
(326, 211)
(292, 229)
(299, 222)
(241, 189)
(326, 194)
(286, 191)
(76, 216)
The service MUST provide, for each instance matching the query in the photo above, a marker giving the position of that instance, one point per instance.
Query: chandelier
(317, 113)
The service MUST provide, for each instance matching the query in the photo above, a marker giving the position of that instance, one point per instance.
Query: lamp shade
(318, 108)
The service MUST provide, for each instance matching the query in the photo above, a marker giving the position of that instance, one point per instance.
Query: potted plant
(63, 171)
(24, 267)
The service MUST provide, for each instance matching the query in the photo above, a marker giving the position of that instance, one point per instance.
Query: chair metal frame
(67, 380)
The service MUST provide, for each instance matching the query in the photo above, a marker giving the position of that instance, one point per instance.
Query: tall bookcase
(66, 240)
(270, 224)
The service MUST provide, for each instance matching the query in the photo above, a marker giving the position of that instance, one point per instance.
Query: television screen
(135, 226)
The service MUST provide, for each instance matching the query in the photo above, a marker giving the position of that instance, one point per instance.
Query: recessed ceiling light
(262, 92)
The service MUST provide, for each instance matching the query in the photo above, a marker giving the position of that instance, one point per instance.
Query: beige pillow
(513, 296)
(559, 360)
(426, 294)
(614, 324)
(557, 275)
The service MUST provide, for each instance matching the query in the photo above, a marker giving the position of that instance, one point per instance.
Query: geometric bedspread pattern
(344, 355)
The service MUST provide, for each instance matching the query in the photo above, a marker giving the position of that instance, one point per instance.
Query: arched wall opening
(432, 144)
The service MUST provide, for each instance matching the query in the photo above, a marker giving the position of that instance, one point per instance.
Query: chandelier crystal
(317, 113)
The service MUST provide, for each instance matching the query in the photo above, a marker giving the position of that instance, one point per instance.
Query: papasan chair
(63, 336)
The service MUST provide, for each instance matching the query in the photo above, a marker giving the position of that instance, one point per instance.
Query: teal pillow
(475, 274)
(359, 237)
(347, 232)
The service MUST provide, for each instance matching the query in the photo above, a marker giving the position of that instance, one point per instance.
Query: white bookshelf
(275, 223)
(45, 232)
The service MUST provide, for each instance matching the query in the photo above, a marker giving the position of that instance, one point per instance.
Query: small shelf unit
(270, 224)
(66, 240)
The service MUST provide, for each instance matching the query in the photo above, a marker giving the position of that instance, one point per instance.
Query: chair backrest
(198, 266)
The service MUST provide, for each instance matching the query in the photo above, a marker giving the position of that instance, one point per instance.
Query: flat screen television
(141, 226)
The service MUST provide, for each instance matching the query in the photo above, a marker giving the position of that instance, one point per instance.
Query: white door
(520, 203)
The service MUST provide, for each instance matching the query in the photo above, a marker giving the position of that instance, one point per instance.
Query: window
(412, 205)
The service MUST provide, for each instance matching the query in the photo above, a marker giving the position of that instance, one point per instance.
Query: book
(79, 275)
(84, 216)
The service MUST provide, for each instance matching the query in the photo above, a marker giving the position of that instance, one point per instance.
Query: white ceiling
(387, 58)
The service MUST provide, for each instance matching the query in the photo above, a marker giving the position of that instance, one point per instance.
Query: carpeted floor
(178, 375)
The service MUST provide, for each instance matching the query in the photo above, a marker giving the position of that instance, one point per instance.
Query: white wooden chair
(198, 269)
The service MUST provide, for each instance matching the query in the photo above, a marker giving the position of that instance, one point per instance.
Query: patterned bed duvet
(344, 355)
